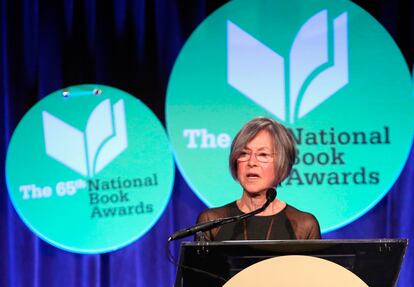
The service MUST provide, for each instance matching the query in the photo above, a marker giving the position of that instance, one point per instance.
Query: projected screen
(325, 69)
(89, 169)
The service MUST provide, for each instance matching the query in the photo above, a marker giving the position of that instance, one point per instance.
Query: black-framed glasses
(261, 156)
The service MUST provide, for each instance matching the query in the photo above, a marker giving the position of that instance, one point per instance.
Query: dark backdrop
(132, 45)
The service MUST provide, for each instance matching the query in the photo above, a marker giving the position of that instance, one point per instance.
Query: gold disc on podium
(295, 271)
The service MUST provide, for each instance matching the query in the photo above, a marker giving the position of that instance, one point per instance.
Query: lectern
(377, 262)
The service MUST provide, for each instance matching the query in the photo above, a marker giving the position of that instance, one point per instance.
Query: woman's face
(256, 176)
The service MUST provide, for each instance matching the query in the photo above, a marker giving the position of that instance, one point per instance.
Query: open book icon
(314, 72)
(87, 152)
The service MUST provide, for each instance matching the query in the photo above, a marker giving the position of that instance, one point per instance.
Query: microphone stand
(204, 226)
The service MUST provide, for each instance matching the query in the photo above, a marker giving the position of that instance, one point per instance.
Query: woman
(261, 157)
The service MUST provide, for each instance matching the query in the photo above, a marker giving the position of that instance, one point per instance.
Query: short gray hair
(284, 145)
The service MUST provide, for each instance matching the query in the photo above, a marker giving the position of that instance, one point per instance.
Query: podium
(377, 262)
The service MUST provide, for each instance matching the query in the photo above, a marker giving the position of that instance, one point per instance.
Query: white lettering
(201, 138)
(192, 134)
(33, 191)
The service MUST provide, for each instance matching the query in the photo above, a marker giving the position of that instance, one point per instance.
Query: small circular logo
(325, 69)
(89, 169)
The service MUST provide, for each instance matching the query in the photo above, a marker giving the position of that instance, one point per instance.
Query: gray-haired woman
(262, 155)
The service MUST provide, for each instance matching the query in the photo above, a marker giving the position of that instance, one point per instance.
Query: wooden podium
(288, 263)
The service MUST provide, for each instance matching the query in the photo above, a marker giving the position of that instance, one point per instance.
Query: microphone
(204, 226)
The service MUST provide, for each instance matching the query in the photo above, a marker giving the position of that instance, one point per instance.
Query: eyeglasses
(260, 156)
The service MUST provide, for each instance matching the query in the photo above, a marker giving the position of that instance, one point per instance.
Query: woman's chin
(255, 192)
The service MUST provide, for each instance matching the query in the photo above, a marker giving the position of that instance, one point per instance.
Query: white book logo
(314, 72)
(87, 153)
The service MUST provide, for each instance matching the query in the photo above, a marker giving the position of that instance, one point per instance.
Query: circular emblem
(325, 69)
(89, 169)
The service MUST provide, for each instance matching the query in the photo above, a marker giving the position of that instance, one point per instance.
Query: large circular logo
(325, 69)
(89, 169)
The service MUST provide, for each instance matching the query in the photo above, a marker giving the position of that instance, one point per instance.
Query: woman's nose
(252, 159)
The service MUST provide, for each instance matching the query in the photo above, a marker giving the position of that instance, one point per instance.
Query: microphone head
(271, 194)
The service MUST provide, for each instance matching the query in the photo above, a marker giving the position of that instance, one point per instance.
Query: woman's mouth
(252, 176)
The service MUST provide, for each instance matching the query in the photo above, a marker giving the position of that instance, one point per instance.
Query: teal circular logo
(325, 69)
(89, 169)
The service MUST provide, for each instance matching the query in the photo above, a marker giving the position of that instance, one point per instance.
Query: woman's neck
(249, 202)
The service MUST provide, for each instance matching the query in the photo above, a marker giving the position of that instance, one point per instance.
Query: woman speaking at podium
(261, 157)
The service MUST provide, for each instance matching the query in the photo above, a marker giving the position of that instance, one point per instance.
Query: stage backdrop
(133, 45)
